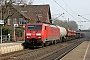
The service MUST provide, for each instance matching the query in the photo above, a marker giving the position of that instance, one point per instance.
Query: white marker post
(1, 23)
(1, 34)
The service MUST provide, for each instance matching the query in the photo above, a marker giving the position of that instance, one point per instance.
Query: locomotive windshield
(35, 27)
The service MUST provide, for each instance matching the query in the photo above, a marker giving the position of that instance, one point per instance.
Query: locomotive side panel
(52, 34)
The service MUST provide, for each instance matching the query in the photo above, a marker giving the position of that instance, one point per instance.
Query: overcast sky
(71, 8)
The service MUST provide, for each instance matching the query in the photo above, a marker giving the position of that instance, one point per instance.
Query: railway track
(58, 54)
(37, 54)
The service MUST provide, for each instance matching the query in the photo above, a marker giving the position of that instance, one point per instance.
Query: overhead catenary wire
(59, 15)
(84, 18)
(76, 14)
(64, 9)
(69, 7)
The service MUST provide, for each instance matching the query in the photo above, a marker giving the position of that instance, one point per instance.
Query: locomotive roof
(52, 25)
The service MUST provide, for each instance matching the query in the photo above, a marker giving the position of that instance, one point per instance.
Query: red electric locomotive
(41, 34)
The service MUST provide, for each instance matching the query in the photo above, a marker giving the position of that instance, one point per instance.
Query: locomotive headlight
(39, 37)
(38, 34)
(28, 35)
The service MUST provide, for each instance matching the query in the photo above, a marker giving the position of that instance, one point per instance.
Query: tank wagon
(63, 33)
(41, 34)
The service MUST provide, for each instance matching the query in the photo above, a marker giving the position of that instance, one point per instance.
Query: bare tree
(17, 2)
(2, 2)
(72, 25)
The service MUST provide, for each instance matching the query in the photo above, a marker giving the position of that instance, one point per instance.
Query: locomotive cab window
(45, 27)
(35, 27)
